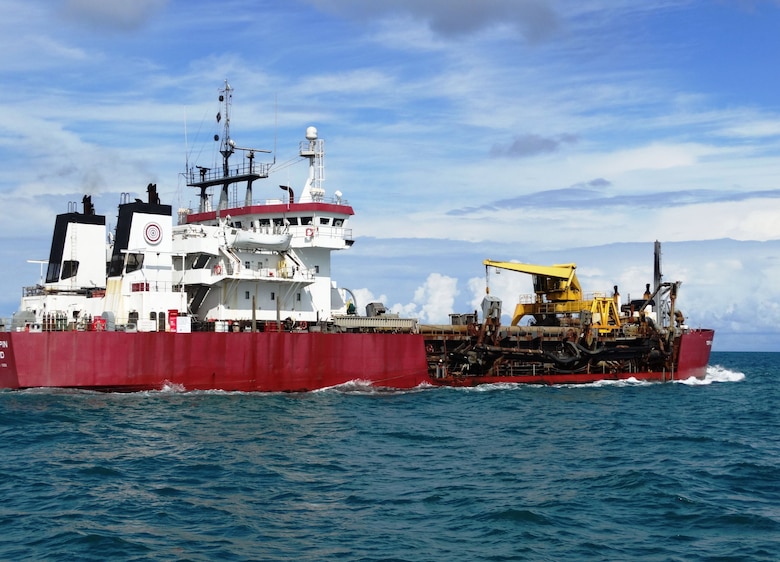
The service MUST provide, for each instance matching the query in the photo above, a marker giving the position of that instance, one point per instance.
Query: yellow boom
(558, 291)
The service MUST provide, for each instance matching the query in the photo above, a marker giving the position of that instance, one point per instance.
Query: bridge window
(69, 269)
(134, 262)
(53, 273)
(307, 220)
(325, 220)
(200, 261)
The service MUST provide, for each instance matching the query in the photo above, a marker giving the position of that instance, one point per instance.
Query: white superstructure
(229, 263)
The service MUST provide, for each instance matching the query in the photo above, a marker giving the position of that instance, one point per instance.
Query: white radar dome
(311, 133)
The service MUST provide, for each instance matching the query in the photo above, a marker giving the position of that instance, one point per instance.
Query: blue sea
(620, 471)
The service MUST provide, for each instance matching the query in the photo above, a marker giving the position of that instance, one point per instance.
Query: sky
(541, 131)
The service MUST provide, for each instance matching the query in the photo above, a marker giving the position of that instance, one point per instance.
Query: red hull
(267, 361)
(694, 354)
(277, 361)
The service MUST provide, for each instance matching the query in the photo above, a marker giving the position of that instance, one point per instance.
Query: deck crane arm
(553, 283)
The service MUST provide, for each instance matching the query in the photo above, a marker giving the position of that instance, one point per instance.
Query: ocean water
(619, 471)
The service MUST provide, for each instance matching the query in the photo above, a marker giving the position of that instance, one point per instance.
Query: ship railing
(238, 269)
(41, 290)
(335, 232)
(531, 299)
(33, 291)
(328, 233)
(287, 273)
(564, 307)
(285, 201)
(199, 175)
(236, 201)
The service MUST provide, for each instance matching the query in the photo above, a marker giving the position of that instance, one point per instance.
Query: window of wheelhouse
(134, 262)
(325, 221)
(305, 221)
(56, 272)
(53, 273)
(69, 269)
(201, 261)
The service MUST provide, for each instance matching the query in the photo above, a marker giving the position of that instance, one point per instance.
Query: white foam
(360, 386)
(630, 381)
(715, 373)
(172, 387)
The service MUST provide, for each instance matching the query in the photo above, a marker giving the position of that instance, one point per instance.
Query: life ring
(303, 325)
(217, 270)
(309, 232)
(429, 348)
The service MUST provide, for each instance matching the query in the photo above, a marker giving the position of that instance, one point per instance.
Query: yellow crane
(558, 291)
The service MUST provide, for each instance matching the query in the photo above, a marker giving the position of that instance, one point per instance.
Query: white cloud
(364, 297)
(653, 157)
(437, 297)
(433, 301)
(353, 82)
(754, 129)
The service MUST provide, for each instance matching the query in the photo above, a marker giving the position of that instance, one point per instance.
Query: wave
(715, 373)
(360, 386)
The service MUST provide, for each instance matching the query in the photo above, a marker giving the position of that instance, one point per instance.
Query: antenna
(276, 122)
(186, 144)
